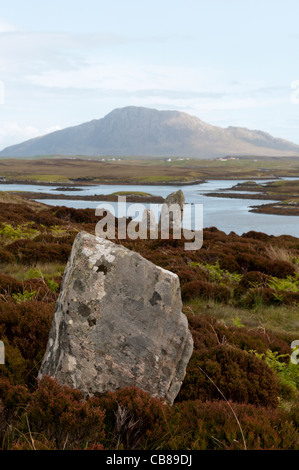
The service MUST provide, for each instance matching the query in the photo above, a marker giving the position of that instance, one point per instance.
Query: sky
(230, 63)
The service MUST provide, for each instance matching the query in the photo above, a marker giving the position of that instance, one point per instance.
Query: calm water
(224, 213)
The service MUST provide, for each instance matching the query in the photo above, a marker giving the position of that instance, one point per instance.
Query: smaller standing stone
(176, 198)
(149, 220)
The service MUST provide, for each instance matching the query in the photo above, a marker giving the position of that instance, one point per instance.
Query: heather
(240, 295)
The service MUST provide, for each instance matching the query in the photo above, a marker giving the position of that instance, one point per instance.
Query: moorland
(240, 295)
(70, 171)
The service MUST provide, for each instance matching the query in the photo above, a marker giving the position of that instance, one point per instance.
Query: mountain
(138, 131)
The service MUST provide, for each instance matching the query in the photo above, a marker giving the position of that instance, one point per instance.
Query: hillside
(138, 131)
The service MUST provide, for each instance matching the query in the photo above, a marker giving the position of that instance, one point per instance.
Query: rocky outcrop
(117, 323)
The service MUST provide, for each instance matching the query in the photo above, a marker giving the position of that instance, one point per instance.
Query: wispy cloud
(6, 26)
(14, 129)
(9, 129)
(127, 76)
(189, 88)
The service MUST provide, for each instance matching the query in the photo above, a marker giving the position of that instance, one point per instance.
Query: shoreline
(85, 182)
(275, 209)
(261, 197)
(106, 183)
(283, 196)
(96, 197)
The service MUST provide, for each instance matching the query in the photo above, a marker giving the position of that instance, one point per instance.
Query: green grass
(282, 318)
(222, 276)
(143, 170)
(40, 178)
(8, 233)
(22, 273)
(290, 284)
(130, 193)
(7, 198)
(163, 178)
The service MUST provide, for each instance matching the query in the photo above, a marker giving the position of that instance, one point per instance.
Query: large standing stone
(117, 323)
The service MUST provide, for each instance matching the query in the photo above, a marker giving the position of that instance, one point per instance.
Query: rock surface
(149, 220)
(175, 219)
(176, 197)
(117, 323)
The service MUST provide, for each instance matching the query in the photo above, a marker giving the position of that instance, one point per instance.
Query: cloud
(194, 89)
(9, 129)
(52, 129)
(13, 130)
(6, 26)
(128, 76)
(23, 52)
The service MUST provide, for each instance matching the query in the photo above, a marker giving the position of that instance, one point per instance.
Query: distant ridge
(139, 131)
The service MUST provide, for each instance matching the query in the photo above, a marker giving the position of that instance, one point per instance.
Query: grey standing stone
(117, 323)
(149, 220)
(177, 199)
